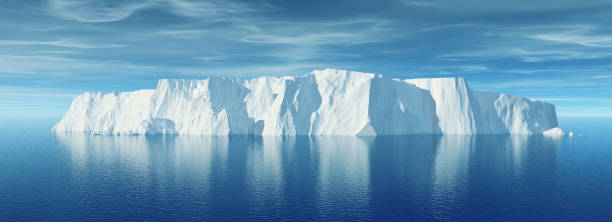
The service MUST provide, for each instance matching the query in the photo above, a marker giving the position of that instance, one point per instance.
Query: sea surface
(65, 177)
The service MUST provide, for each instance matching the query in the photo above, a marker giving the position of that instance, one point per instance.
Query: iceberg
(324, 102)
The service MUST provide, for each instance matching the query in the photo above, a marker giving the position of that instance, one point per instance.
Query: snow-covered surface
(324, 102)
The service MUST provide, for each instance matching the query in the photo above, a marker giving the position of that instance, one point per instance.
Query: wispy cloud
(95, 11)
(34, 67)
(211, 9)
(450, 26)
(601, 76)
(324, 33)
(184, 34)
(552, 55)
(584, 111)
(37, 94)
(458, 70)
(44, 29)
(24, 92)
(57, 66)
(310, 38)
(574, 99)
(60, 43)
(531, 84)
(501, 6)
(101, 11)
(213, 58)
(421, 3)
(251, 70)
(533, 43)
(584, 40)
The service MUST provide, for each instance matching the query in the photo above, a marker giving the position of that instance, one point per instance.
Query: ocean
(57, 177)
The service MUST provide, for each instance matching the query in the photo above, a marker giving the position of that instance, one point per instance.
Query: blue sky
(557, 51)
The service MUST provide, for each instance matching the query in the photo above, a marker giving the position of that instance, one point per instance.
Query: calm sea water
(44, 176)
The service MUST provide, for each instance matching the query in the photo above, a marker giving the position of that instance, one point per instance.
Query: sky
(559, 51)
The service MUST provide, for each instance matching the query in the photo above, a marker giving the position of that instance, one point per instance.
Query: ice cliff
(324, 102)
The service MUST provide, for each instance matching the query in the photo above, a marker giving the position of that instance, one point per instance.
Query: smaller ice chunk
(554, 132)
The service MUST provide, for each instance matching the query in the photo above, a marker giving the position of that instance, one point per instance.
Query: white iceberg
(324, 102)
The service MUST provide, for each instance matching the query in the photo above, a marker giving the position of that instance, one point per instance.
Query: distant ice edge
(324, 102)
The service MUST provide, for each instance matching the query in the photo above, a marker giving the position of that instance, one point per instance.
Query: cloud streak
(94, 11)
(101, 11)
(584, 40)
(533, 44)
(59, 43)
(323, 33)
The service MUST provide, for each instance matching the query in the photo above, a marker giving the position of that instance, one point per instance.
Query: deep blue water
(44, 176)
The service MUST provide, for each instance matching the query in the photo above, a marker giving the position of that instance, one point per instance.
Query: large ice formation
(324, 102)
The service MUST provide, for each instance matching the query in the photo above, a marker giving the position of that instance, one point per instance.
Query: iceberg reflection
(344, 173)
(264, 169)
(88, 150)
(451, 168)
(313, 176)
(464, 163)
